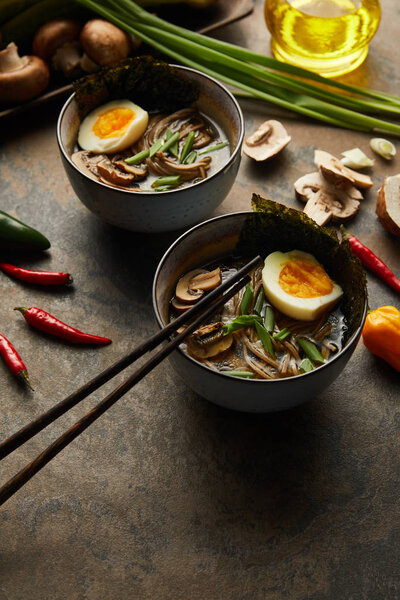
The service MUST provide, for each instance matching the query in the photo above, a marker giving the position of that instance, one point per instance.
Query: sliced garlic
(383, 147)
(356, 159)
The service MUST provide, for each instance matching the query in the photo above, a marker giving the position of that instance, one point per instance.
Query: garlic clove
(356, 159)
(383, 147)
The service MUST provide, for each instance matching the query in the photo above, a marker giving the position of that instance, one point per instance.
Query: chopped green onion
(259, 302)
(246, 300)
(167, 180)
(311, 350)
(265, 339)
(174, 149)
(383, 147)
(155, 147)
(244, 374)
(214, 148)
(165, 188)
(188, 146)
(269, 319)
(253, 73)
(191, 157)
(137, 158)
(169, 143)
(356, 159)
(306, 366)
(282, 334)
(239, 322)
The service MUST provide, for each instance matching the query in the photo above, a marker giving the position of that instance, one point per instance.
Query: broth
(246, 356)
(202, 160)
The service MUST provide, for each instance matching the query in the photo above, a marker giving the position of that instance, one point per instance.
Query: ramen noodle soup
(286, 322)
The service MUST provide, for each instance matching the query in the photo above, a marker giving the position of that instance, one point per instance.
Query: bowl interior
(244, 235)
(214, 100)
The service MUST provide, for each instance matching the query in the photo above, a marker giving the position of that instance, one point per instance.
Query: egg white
(88, 140)
(303, 309)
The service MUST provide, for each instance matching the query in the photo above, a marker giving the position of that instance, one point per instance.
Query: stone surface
(167, 496)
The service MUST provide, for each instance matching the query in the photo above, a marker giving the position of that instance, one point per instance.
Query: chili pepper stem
(23, 376)
(22, 309)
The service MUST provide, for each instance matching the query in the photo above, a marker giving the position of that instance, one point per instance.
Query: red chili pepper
(13, 360)
(40, 277)
(372, 262)
(40, 319)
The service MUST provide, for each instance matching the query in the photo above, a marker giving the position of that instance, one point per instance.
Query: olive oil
(329, 37)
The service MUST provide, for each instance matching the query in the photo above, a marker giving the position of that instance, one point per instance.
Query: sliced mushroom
(104, 43)
(269, 139)
(180, 307)
(107, 170)
(208, 341)
(388, 204)
(21, 78)
(138, 171)
(57, 41)
(337, 174)
(206, 281)
(325, 201)
(183, 291)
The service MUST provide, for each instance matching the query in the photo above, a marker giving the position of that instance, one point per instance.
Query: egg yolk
(113, 123)
(304, 279)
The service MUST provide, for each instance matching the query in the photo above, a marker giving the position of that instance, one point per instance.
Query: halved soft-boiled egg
(112, 127)
(298, 285)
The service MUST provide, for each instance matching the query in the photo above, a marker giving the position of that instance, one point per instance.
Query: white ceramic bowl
(160, 211)
(219, 239)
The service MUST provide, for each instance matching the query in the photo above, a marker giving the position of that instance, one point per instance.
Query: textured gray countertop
(168, 496)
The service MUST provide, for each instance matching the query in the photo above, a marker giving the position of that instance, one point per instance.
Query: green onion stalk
(254, 75)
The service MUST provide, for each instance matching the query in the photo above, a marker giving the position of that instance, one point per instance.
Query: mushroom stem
(10, 60)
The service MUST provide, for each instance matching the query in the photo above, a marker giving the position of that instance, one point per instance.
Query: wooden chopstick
(14, 484)
(31, 429)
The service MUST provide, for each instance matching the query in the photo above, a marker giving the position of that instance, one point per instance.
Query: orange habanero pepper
(381, 334)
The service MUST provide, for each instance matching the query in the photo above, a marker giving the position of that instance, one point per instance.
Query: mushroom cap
(104, 43)
(388, 204)
(25, 82)
(337, 174)
(183, 292)
(267, 141)
(325, 201)
(54, 34)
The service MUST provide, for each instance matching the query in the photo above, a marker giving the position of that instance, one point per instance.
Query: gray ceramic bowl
(161, 211)
(217, 239)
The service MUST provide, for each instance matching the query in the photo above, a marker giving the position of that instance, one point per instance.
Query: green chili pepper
(306, 366)
(311, 350)
(246, 300)
(265, 339)
(15, 234)
(282, 334)
(259, 302)
(244, 374)
(269, 319)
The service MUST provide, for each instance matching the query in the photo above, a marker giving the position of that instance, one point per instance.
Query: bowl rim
(225, 165)
(283, 380)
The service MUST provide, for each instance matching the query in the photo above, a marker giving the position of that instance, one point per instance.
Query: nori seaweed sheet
(151, 83)
(274, 227)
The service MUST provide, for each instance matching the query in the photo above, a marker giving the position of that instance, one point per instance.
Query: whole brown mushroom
(104, 44)
(57, 41)
(21, 77)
